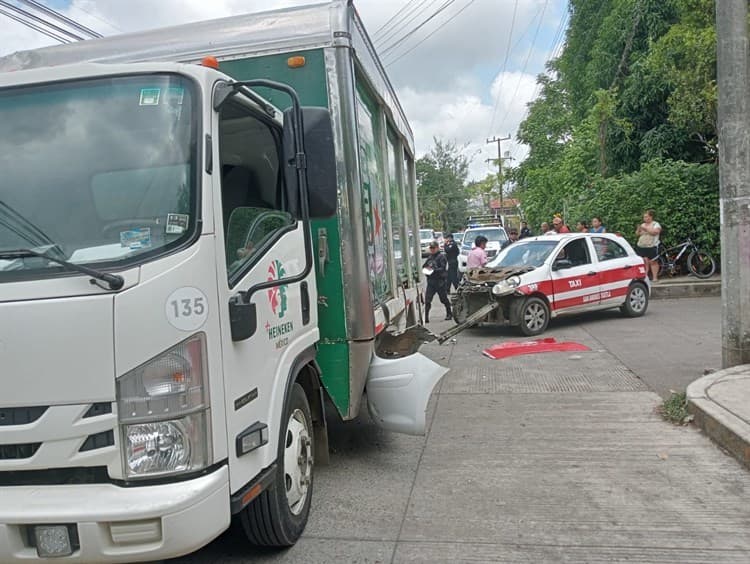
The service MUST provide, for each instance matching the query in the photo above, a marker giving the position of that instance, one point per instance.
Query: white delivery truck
(189, 276)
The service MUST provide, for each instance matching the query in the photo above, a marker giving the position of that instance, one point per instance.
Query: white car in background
(496, 238)
(426, 236)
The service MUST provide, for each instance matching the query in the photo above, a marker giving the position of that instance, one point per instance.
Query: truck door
(259, 241)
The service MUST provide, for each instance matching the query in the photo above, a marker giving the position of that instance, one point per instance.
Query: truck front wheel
(277, 517)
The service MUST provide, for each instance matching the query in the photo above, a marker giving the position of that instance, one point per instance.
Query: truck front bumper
(117, 524)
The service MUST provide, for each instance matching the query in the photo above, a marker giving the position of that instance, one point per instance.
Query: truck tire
(534, 316)
(277, 517)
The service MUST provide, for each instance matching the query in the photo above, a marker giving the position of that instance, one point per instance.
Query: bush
(684, 195)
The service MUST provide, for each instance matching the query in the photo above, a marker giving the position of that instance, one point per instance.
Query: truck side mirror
(322, 185)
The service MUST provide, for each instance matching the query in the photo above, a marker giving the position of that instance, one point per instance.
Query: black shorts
(646, 252)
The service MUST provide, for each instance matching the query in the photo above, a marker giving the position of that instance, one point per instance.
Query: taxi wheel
(636, 300)
(534, 316)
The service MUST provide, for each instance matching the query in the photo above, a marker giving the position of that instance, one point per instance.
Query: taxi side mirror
(561, 264)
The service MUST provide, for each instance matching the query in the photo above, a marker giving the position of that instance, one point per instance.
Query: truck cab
(190, 278)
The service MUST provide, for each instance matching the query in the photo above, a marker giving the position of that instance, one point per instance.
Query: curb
(724, 427)
(686, 289)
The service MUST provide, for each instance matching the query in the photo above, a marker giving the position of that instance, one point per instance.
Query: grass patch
(674, 409)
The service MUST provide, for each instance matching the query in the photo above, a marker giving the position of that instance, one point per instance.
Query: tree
(441, 186)
(626, 118)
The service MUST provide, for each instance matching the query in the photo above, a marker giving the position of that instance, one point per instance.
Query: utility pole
(498, 140)
(734, 178)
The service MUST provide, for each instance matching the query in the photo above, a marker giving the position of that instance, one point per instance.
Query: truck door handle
(323, 256)
(592, 273)
(627, 266)
(305, 298)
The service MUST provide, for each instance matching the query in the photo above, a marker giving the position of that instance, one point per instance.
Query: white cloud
(464, 118)
(449, 85)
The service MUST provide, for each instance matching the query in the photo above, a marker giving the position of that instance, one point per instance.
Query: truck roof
(332, 23)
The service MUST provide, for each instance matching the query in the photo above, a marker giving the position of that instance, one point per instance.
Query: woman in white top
(648, 242)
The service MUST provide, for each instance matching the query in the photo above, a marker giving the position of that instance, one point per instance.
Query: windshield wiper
(114, 281)
(26, 229)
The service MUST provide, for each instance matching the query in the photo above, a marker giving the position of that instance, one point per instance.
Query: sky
(465, 75)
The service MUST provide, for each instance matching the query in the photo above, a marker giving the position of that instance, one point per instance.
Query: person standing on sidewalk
(648, 243)
(451, 253)
(525, 231)
(436, 270)
(558, 225)
(596, 225)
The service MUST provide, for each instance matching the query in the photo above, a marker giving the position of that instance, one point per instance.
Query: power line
(526, 62)
(93, 15)
(556, 44)
(408, 17)
(441, 26)
(404, 37)
(505, 65)
(34, 26)
(61, 17)
(393, 17)
(39, 20)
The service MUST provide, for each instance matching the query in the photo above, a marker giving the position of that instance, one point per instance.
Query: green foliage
(685, 197)
(674, 409)
(441, 187)
(626, 120)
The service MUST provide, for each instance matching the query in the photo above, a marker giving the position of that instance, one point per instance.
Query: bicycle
(698, 262)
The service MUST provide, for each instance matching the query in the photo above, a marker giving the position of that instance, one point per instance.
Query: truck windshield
(425, 234)
(97, 171)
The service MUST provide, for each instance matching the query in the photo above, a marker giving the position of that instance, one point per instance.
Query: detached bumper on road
(116, 524)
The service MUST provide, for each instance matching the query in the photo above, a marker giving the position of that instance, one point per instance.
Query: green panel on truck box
(333, 359)
(310, 83)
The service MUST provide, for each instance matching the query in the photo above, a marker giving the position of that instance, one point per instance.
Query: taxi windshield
(96, 171)
(525, 253)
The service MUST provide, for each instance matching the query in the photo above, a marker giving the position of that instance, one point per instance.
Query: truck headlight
(163, 410)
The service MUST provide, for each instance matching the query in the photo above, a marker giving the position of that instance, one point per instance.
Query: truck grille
(20, 415)
(53, 438)
(18, 452)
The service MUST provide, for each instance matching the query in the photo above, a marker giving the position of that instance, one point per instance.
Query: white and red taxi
(538, 278)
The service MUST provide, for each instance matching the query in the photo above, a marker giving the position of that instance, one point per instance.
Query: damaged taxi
(539, 278)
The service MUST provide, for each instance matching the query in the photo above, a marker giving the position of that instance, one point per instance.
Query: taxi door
(575, 280)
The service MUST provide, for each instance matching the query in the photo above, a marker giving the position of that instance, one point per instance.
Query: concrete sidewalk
(546, 458)
(686, 287)
(720, 403)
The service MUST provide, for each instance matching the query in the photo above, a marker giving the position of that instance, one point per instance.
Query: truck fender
(306, 372)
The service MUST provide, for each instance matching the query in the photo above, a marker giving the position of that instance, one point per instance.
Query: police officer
(436, 281)
(451, 253)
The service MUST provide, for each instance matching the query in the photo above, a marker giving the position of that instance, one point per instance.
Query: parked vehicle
(673, 260)
(440, 240)
(186, 273)
(496, 237)
(539, 278)
(426, 236)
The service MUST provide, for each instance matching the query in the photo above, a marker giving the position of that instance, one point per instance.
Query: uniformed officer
(436, 281)
(451, 253)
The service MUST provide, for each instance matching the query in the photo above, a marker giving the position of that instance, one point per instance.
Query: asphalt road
(674, 343)
(554, 457)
